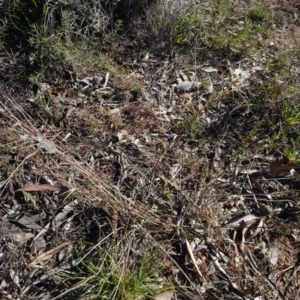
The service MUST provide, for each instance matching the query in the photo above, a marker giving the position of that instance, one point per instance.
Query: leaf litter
(131, 171)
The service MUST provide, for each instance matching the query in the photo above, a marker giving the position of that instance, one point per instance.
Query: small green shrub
(291, 116)
(112, 274)
(185, 28)
(221, 26)
(194, 129)
(292, 151)
(259, 14)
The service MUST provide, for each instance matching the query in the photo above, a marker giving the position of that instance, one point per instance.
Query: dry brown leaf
(21, 236)
(40, 188)
(282, 167)
(184, 76)
(186, 96)
(273, 255)
(242, 222)
(237, 167)
(164, 296)
(58, 219)
(295, 174)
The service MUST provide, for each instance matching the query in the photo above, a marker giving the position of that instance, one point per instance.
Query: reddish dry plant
(281, 227)
(114, 222)
(128, 83)
(138, 110)
(143, 116)
(149, 125)
(84, 148)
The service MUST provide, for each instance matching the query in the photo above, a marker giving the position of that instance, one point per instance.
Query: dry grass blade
(95, 186)
(48, 254)
(254, 267)
(190, 250)
(40, 188)
(114, 222)
(189, 295)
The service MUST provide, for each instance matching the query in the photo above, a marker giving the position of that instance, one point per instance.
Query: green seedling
(28, 197)
(291, 116)
(292, 152)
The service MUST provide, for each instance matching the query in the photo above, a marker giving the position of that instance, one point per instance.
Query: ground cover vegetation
(149, 149)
